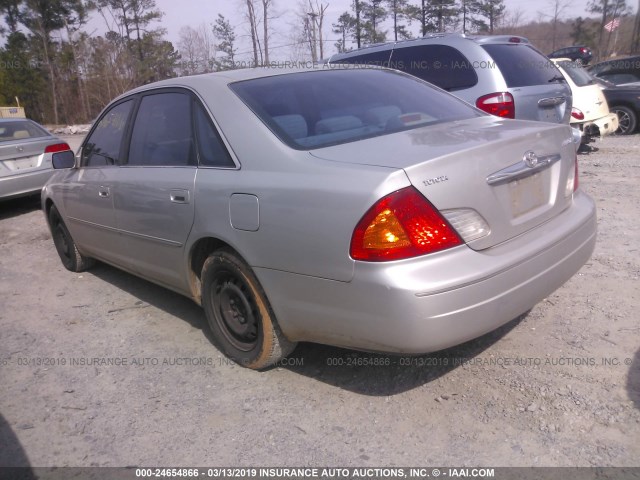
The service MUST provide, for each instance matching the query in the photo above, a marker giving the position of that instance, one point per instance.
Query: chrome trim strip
(521, 170)
(163, 241)
(551, 102)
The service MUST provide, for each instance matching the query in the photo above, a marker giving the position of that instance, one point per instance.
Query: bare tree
(558, 7)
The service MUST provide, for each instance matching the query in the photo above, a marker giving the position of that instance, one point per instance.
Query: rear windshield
(20, 130)
(523, 66)
(316, 109)
(578, 75)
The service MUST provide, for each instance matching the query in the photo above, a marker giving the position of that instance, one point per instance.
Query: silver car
(353, 207)
(500, 74)
(25, 156)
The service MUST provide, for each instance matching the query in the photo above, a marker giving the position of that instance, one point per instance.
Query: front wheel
(71, 258)
(238, 312)
(627, 120)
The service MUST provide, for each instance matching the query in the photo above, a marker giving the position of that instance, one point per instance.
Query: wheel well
(47, 207)
(199, 254)
(623, 104)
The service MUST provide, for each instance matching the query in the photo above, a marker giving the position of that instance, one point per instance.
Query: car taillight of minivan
(500, 104)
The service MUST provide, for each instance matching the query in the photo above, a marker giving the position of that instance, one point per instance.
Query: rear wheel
(239, 315)
(71, 258)
(627, 120)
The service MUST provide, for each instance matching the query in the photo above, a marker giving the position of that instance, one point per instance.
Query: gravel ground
(560, 387)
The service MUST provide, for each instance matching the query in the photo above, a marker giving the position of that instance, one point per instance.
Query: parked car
(577, 53)
(358, 207)
(502, 75)
(625, 102)
(25, 156)
(619, 71)
(590, 112)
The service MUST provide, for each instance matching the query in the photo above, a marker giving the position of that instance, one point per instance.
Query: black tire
(71, 258)
(627, 120)
(243, 324)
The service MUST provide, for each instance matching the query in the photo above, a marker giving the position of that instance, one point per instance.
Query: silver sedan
(360, 207)
(25, 156)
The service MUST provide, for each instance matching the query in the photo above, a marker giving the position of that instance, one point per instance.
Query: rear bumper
(434, 302)
(25, 183)
(600, 127)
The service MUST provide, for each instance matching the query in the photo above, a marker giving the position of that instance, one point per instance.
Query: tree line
(61, 74)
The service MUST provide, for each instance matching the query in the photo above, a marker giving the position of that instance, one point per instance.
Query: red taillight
(515, 40)
(401, 225)
(577, 114)
(583, 50)
(58, 147)
(499, 104)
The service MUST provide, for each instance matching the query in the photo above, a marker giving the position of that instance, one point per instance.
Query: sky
(180, 13)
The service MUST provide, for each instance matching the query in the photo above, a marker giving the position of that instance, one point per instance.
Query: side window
(162, 134)
(212, 151)
(103, 146)
(441, 65)
(380, 59)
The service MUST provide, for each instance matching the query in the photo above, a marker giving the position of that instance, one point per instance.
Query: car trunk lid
(479, 165)
(18, 157)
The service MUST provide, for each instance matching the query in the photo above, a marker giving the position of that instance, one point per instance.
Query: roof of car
(481, 39)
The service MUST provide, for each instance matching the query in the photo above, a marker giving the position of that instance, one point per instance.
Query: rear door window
(523, 66)
(162, 135)
(442, 65)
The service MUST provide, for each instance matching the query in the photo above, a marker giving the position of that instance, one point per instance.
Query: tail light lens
(58, 147)
(401, 225)
(577, 114)
(583, 50)
(572, 180)
(500, 104)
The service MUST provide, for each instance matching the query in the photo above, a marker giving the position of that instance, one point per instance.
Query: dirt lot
(560, 387)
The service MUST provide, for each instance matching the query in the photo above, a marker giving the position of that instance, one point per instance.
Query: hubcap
(623, 121)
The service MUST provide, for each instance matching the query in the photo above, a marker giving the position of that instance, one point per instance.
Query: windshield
(320, 108)
(578, 75)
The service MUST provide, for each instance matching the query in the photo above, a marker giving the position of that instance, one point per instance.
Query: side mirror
(62, 160)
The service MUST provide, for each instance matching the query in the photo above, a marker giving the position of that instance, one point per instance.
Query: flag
(612, 25)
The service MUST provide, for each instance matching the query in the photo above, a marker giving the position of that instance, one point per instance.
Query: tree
(344, 27)
(196, 50)
(608, 10)
(558, 7)
(226, 36)
(469, 10)
(443, 13)
(492, 11)
(133, 19)
(581, 33)
(373, 13)
(401, 9)
(11, 11)
(42, 18)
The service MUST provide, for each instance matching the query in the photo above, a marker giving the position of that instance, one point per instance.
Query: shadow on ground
(359, 372)
(19, 206)
(12, 454)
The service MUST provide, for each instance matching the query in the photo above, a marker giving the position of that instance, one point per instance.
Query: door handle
(104, 192)
(179, 196)
(551, 102)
